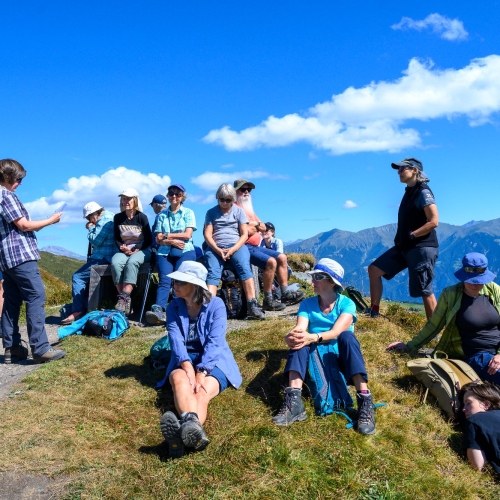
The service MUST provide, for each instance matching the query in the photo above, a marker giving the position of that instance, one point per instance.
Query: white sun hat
(332, 268)
(192, 272)
(132, 193)
(90, 208)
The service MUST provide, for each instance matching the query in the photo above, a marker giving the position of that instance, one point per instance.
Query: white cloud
(371, 118)
(310, 177)
(227, 165)
(103, 189)
(449, 29)
(350, 204)
(210, 181)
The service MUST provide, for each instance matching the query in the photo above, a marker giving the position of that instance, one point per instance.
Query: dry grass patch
(94, 416)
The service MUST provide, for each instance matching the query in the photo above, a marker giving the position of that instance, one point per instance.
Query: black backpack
(357, 298)
(233, 295)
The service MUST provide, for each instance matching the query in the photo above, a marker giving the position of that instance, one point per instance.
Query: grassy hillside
(59, 266)
(93, 419)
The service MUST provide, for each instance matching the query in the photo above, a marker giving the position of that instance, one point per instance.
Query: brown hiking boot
(123, 304)
(50, 355)
(14, 354)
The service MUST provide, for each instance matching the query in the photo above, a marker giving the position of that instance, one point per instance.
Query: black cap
(270, 225)
(408, 162)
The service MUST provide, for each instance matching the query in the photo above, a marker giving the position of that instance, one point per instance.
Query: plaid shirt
(178, 222)
(16, 246)
(444, 317)
(102, 237)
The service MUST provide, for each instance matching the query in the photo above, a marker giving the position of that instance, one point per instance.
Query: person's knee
(346, 338)
(374, 271)
(282, 260)
(177, 378)
(271, 264)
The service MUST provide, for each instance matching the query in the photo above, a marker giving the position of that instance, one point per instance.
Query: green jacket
(444, 316)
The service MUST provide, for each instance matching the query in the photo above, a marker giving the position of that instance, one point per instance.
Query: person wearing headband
(202, 364)
(328, 317)
(469, 312)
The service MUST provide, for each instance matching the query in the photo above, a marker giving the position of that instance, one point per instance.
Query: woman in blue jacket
(202, 365)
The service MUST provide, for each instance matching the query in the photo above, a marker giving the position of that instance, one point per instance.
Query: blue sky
(100, 96)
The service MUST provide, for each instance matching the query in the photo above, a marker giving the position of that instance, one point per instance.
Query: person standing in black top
(415, 245)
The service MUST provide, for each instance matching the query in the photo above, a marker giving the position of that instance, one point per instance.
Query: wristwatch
(320, 338)
(202, 370)
(412, 236)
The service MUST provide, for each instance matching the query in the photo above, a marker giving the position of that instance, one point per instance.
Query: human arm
(208, 233)
(243, 228)
(177, 339)
(99, 232)
(431, 214)
(279, 245)
(214, 334)
(494, 364)
(146, 233)
(256, 227)
(25, 225)
(476, 458)
(475, 455)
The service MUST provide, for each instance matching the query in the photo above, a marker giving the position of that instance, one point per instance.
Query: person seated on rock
(101, 250)
(481, 405)
(329, 316)
(202, 364)
(470, 314)
(174, 237)
(226, 230)
(270, 261)
(133, 239)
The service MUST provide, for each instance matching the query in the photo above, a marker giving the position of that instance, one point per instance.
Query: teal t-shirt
(319, 322)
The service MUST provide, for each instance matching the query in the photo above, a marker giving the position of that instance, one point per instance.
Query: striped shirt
(16, 246)
(101, 237)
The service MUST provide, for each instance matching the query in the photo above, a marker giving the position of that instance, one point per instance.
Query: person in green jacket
(469, 312)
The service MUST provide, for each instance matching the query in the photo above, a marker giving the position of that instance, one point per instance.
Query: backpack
(109, 324)
(232, 295)
(327, 383)
(443, 378)
(160, 353)
(357, 298)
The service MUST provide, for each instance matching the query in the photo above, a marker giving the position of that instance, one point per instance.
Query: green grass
(59, 266)
(93, 418)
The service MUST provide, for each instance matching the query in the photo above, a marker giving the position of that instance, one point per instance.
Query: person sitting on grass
(481, 405)
(202, 364)
(101, 250)
(470, 314)
(327, 317)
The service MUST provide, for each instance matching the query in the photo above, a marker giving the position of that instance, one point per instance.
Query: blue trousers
(479, 363)
(23, 283)
(80, 281)
(350, 359)
(166, 265)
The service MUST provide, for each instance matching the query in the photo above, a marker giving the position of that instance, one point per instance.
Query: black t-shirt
(477, 322)
(134, 232)
(483, 433)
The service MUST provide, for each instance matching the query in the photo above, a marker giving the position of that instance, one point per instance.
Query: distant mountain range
(356, 251)
(63, 252)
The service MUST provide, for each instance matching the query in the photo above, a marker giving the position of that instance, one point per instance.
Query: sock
(268, 296)
(125, 295)
(365, 391)
(375, 308)
(251, 301)
(284, 288)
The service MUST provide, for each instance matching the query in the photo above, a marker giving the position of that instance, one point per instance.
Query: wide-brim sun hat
(475, 270)
(91, 208)
(332, 268)
(192, 272)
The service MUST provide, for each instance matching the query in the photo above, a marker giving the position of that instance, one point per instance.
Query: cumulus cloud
(371, 118)
(350, 204)
(448, 29)
(210, 181)
(103, 189)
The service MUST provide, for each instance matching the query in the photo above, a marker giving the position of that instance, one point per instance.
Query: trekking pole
(146, 290)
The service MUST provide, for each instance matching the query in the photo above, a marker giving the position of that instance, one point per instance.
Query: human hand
(55, 218)
(298, 338)
(229, 252)
(494, 364)
(223, 253)
(178, 244)
(89, 225)
(188, 368)
(200, 382)
(397, 347)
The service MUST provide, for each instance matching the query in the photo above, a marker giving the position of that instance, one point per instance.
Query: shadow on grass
(142, 373)
(267, 384)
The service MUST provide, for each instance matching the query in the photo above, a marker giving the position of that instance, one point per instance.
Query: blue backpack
(109, 324)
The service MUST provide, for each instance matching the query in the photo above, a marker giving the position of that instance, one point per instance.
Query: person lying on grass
(482, 435)
(327, 317)
(202, 364)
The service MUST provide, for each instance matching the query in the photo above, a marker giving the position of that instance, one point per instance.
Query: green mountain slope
(59, 266)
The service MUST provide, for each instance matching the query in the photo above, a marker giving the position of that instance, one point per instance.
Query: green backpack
(160, 353)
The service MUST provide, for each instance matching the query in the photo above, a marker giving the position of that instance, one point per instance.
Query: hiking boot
(156, 316)
(292, 408)
(371, 313)
(366, 414)
(50, 355)
(192, 432)
(14, 354)
(171, 430)
(270, 304)
(123, 304)
(254, 311)
(288, 297)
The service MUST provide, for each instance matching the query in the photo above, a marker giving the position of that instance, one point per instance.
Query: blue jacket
(212, 323)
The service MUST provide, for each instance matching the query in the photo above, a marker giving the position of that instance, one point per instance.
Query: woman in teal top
(174, 229)
(328, 317)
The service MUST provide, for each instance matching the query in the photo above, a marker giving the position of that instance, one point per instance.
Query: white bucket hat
(332, 268)
(132, 193)
(90, 208)
(192, 272)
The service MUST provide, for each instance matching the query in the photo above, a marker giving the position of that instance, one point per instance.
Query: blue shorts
(260, 255)
(1, 275)
(240, 260)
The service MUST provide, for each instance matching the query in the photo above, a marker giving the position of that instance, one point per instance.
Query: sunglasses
(320, 277)
(179, 283)
(19, 181)
(174, 193)
(480, 270)
(245, 189)
(226, 200)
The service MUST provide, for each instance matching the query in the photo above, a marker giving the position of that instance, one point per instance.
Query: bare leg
(1, 297)
(295, 380)
(184, 397)
(119, 287)
(268, 274)
(127, 288)
(429, 304)
(282, 271)
(249, 288)
(375, 274)
(203, 398)
(212, 289)
(359, 382)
